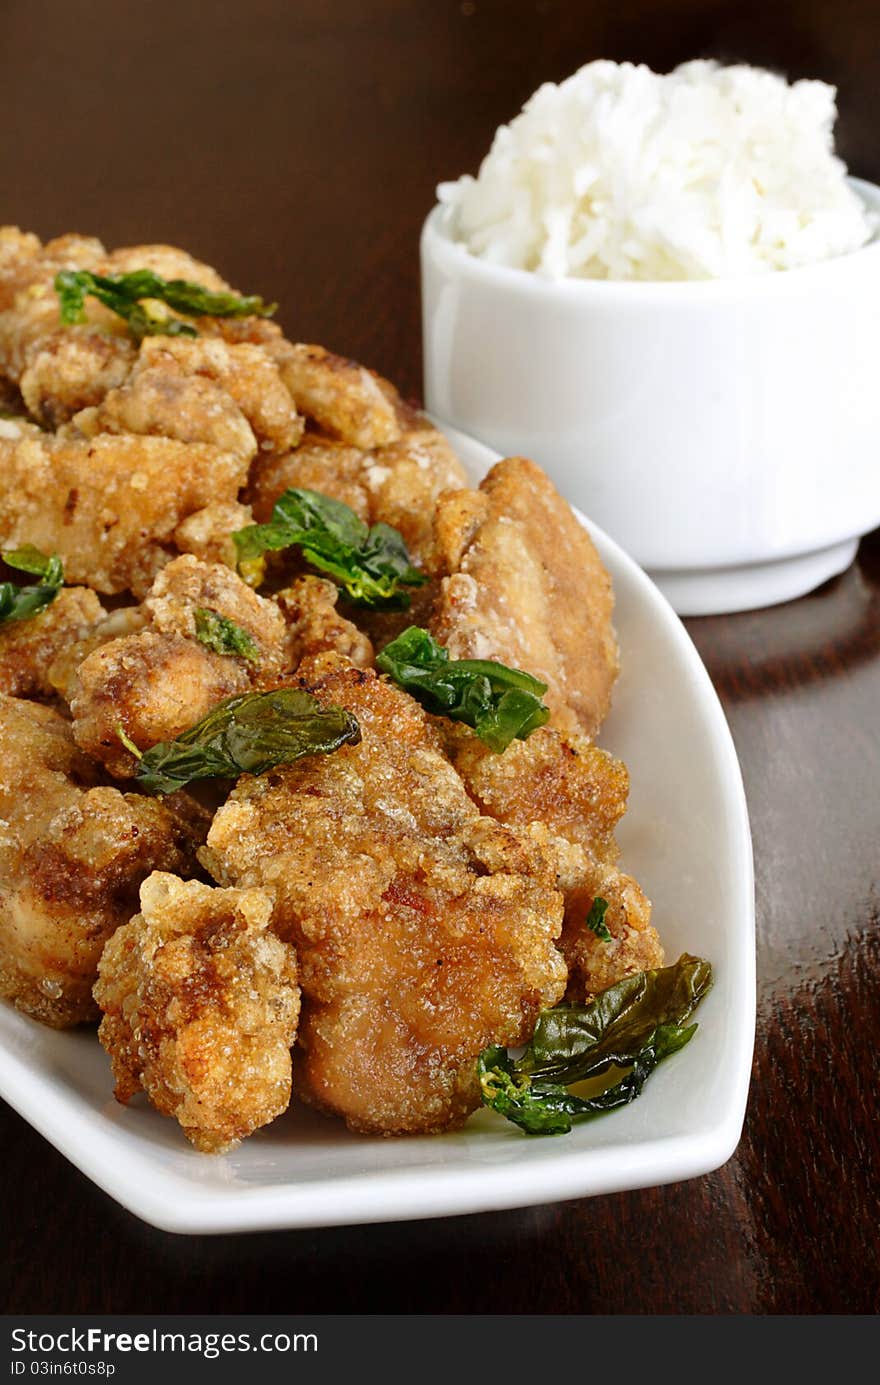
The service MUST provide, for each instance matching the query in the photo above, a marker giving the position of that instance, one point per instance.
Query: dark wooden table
(296, 146)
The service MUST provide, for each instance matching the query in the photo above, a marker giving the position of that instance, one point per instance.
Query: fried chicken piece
(424, 931)
(109, 506)
(28, 648)
(524, 584)
(315, 626)
(635, 944)
(17, 246)
(71, 369)
(29, 308)
(167, 260)
(566, 782)
(348, 401)
(155, 683)
(397, 485)
(62, 370)
(201, 1004)
(58, 369)
(72, 856)
(61, 672)
(570, 795)
(319, 464)
(201, 390)
(208, 533)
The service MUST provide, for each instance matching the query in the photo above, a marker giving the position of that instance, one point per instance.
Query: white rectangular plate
(685, 838)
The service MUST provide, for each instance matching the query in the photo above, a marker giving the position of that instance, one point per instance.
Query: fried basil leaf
(223, 635)
(631, 1026)
(247, 735)
(372, 565)
(595, 920)
(143, 298)
(501, 704)
(18, 603)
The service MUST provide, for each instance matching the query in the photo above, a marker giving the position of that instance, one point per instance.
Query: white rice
(620, 173)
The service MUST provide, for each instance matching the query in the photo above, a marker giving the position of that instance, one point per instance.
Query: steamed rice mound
(620, 173)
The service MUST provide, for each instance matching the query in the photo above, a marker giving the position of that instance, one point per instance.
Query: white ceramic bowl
(724, 432)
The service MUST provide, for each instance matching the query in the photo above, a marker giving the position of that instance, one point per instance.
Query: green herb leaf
(247, 735)
(595, 919)
(501, 704)
(137, 297)
(370, 564)
(632, 1025)
(18, 603)
(225, 637)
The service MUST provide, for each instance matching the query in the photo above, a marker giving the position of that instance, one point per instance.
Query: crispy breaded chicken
(424, 931)
(397, 484)
(347, 401)
(207, 534)
(524, 584)
(58, 369)
(315, 625)
(201, 390)
(570, 795)
(200, 1003)
(437, 894)
(61, 370)
(155, 683)
(61, 672)
(28, 648)
(108, 506)
(72, 856)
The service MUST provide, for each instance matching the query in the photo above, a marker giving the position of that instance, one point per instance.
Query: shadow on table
(820, 636)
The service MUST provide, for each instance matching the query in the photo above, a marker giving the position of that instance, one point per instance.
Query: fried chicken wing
(523, 584)
(109, 506)
(155, 683)
(200, 1003)
(570, 795)
(424, 931)
(28, 648)
(72, 856)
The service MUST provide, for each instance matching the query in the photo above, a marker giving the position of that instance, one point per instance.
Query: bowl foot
(716, 591)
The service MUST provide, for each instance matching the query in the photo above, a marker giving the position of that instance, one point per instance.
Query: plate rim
(171, 1202)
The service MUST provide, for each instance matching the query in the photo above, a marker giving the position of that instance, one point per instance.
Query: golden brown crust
(200, 1004)
(61, 673)
(155, 683)
(344, 398)
(564, 781)
(397, 484)
(424, 931)
(108, 506)
(72, 855)
(319, 463)
(203, 390)
(314, 625)
(523, 584)
(570, 795)
(29, 648)
(73, 369)
(207, 534)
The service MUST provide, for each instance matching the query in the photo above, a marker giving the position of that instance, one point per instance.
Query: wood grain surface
(297, 146)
